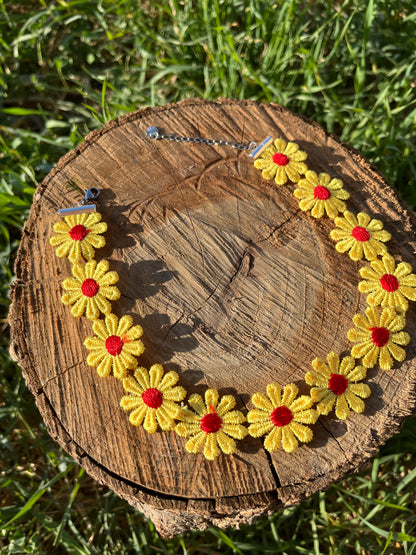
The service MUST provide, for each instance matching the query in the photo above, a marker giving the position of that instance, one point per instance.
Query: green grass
(66, 68)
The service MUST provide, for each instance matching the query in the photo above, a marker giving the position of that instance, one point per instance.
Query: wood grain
(234, 286)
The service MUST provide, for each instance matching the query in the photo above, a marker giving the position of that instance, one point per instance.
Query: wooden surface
(234, 287)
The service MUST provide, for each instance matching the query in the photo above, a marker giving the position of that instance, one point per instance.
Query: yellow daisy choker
(212, 423)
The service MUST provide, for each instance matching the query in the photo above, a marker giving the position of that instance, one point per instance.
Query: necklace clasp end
(83, 207)
(258, 150)
(152, 132)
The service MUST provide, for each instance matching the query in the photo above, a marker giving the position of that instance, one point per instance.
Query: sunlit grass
(67, 67)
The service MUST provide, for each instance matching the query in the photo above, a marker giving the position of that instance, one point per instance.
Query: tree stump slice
(235, 288)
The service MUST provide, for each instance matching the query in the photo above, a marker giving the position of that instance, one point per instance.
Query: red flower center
(321, 193)
(78, 232)
(389, 283)
(114, 345)
(152, 397)
(379, 336)
(360, 234)
(90, 287)
(211, 422)
(338, 384)
(281, 416)
(280, 159)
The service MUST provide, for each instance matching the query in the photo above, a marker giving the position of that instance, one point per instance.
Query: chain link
(153, 133)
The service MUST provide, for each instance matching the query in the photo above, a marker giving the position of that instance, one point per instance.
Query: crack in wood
(273, 469)
(279, 226)
(333, 437)
(56, 376)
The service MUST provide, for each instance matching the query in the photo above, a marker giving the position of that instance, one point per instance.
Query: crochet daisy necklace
(285, 418)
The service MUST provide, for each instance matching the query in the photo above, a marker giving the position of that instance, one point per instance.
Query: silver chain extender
(153, 133)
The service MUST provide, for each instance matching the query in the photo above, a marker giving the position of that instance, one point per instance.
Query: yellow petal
(119, 368)
(357, 374)
(402, 338)
(195, 443)
(313, 378)
(130, 402)
(134, 333)
(289, 442)
(370, 249)
(270, 172)
(273, 440)
(326, 404)
(164, 419)
(346, 366)
(258, 415)
(280, 145)
(320, 393)
(289, 394)
(260, 401)
(196, 402)
(235, 430)
(87, 251)
(137, 416)
(342, 410)
(79, 307)
(132, 386)
(262, 163)
(211, 398)
(281, 175)
(177, 393)
(142, 376)
(101, 269)
(102, 304)
(123, 325)
(309, 416)
(260, 428)
(155, 374)
(104, 367)
(211, 450)
(274, 393)
(333, 362)
(370, 359)
(150, 423)
(360, 389)
(356, 404)
(303, 433)
(397, 352)
(300, 404)
(345, 245)
(319, 209)
(92, 312)
(100, 329)
(186, 429)
(226, 404)
(356, 251)
(226, 444)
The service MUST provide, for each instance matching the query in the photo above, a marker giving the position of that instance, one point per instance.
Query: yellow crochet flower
(212, 425)
(282, 161)
(152, 398)
(360, 235)
(90, 289)
(378, 337)
(336, 384)
(282, 417)
(78, 236)
(388, 285)
(321, 194)
(115, 345)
